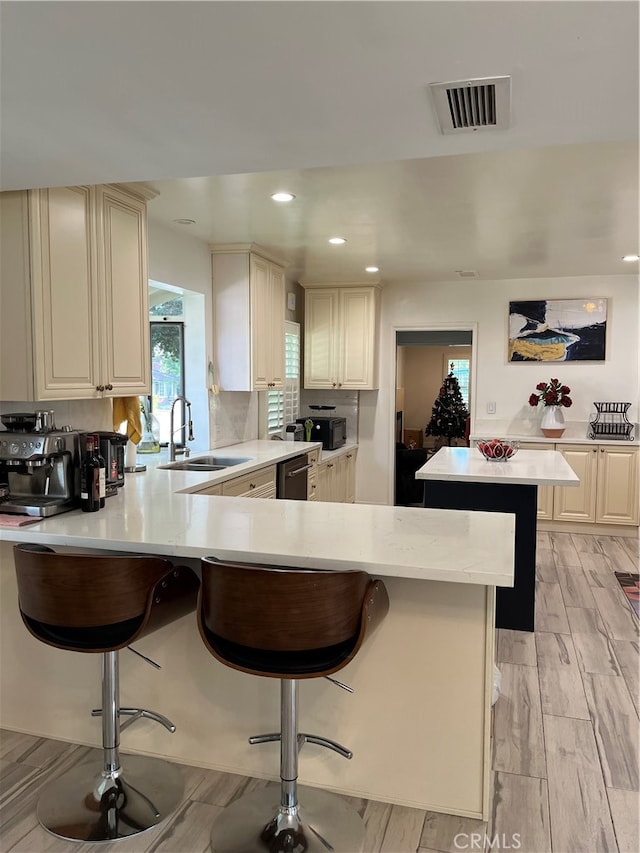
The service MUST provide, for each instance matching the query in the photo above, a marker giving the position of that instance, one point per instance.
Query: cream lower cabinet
(609, 490)
(258, 484)
(336, 478)
(74, 294)
(340, 341)
(249, 317)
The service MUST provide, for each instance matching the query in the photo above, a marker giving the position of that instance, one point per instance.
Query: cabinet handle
(595, 450)
(99, 387)
(602, 450)
(329, 464)
(339, 384)
(109, 387)
(349, 456)
(334, 384)
(252, 485)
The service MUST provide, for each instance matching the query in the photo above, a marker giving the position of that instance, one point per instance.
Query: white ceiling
(330, 100)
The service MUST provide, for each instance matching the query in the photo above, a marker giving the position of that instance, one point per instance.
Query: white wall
(508, 384)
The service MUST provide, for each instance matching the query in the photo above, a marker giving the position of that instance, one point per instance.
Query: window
(167, 376)
(460, 368)
(282, 407)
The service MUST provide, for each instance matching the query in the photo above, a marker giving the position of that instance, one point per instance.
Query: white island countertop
(526, 467)
(157, 513)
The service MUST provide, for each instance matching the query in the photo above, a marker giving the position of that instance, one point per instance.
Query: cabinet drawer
(313, 457)
(249, 483)
(211, 490)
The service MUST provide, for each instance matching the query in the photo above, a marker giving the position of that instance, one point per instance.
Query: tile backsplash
(346, 403)
(233, 417)
(79, 414)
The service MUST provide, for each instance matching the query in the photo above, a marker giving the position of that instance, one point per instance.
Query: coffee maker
(39, 472)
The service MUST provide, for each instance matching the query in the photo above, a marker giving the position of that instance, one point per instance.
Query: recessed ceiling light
(631, 258)
(372, 269)
(185, 221)
(282, 196)
(337, 241)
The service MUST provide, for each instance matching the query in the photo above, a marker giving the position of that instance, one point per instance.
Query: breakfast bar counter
(419, 720)
(461, 478)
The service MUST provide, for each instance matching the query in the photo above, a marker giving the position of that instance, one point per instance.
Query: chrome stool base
(85, 805)
(323, 823)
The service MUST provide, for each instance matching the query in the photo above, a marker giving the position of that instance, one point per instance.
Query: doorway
(423, 357)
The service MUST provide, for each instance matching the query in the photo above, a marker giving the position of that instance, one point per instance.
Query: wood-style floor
(565, 737)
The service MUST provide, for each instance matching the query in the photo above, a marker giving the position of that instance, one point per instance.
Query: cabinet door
(320, 338)
(341, 465)
(618, 499)
(350, 487)
(324, 481)
(64, 293)
(578, 504)
(124, 285)
(261, 319)
(357, 338)
(276, 326)
(545, 493)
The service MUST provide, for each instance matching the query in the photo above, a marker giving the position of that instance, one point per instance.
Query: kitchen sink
(207, 463)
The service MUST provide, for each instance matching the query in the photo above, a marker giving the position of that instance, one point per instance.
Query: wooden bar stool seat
(99, 604)
(289, 624)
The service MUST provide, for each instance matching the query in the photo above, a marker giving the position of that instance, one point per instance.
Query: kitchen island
(461, 478)
(419, 720)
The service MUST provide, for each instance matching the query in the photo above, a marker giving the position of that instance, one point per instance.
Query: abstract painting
(558, 330)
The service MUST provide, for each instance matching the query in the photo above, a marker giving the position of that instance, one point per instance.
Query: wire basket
(611, 421)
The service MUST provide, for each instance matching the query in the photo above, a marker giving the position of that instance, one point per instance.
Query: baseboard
(627, 530)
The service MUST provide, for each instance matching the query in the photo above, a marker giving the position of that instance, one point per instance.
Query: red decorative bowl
(497, 449)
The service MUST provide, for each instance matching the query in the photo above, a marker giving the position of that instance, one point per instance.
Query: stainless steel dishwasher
(292, 479)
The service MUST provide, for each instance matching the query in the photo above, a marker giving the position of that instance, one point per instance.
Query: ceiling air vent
(469, 105)
(466, 274)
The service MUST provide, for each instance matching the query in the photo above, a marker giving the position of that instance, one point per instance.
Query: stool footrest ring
(136, 714)
(304, 737)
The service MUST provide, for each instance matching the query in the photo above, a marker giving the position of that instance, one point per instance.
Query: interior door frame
(393, 359)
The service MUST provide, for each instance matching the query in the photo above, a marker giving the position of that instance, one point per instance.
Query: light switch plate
(291, 301)
(491, 408)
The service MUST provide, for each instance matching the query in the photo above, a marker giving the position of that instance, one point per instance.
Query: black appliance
(112, 446)
(332, 432)
(291, 484)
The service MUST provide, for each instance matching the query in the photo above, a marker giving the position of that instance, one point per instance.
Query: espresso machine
(39, 471)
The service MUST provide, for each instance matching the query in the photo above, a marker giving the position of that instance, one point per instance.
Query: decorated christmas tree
(449, 413)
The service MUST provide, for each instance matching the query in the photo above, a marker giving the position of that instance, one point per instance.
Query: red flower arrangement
(551, 393)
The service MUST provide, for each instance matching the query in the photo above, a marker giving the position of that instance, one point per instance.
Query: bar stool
(288, 624)
(100, 604)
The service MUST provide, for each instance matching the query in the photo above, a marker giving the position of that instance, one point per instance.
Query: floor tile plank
(598, 570)
(578, 806)
(595, 654)
(550, 610)
(546, 566)
(625, 812)
(520, 815)
(404, 830)
(583, 620)
(628, 657)
(615, 725)
(618, 554)
(189, 831)
(518, 740)
(585, 543)
(449, 833)
(619, 620)
(564, 550)
(516, 647)
(561, 690)
(575, 587)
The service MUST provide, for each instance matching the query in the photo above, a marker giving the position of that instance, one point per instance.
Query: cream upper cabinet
(249, 316)
(123, 288)
(340, 343)
(74, 294)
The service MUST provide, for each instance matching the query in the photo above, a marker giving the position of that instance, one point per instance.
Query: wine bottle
(89, 478)
(103, 470)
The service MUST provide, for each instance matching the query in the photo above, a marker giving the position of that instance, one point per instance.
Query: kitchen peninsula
(419, 720)
(461, 478)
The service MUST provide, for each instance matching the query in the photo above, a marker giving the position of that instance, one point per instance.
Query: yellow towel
(128, 409)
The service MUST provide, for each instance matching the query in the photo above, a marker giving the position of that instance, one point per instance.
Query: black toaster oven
(332, 432)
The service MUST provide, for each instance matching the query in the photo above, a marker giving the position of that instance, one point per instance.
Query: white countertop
(154, 513)
(527, 467)
(576, 432)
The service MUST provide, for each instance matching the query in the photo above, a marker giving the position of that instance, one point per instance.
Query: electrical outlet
(491, 408)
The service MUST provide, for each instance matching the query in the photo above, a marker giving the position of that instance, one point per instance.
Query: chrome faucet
(173, 450)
